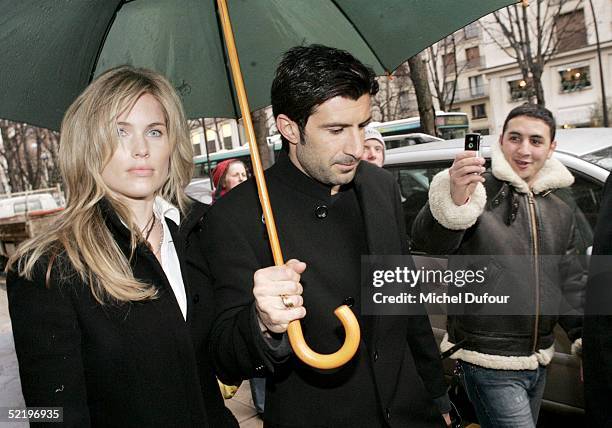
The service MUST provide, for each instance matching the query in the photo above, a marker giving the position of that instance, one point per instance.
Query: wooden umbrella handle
(344, 313)
(327, 361)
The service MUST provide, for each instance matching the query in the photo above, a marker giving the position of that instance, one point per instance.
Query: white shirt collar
(163, 208)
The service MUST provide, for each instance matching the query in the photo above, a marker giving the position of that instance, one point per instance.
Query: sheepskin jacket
(503, 219)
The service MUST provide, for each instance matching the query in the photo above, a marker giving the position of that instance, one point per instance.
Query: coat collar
(299, 181)
(553, 175)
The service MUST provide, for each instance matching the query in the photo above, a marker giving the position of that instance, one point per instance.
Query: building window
(484, 131)
(404, 100)
(227, 136)
(478, 111)
(448, 88)
(573, 79)
(519, 89)
(449, 63)
(472, 57)
(570, 30)
(476, 86)
(197, 150)
(472, 30)
(211, 141)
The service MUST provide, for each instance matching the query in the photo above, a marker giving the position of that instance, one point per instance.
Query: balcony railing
(464, 65)
(471, 93)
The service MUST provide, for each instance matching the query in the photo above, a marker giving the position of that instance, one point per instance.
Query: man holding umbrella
(330, 209)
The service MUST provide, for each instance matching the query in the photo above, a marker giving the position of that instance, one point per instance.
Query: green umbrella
(52, 50)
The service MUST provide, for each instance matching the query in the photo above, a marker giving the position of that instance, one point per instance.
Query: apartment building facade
(488, 82)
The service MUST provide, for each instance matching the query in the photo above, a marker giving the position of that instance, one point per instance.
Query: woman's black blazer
(136, 364)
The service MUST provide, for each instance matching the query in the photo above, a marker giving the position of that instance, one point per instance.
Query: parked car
(587, 153)
(28, 203)
(200, 190)
(24, 215)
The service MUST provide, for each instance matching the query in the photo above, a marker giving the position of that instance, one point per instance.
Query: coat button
(375, 356)
(349, 301)
(196, 298)
(388, 413)
(321, 211)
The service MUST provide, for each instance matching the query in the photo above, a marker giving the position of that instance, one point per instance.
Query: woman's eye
(122, 132)
(155, 133)
(336, 131)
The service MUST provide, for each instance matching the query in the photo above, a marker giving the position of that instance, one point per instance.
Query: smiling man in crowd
(330, 209)
(516, 210)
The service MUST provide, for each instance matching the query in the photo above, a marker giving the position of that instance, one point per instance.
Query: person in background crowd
(374, 147)
(110, 311)
(598, 320)
(519, 211)
(328, 208)
(227, 175)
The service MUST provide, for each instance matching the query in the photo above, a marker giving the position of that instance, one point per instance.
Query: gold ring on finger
(286, 301)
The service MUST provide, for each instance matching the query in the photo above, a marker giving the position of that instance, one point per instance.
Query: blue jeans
(505, 398)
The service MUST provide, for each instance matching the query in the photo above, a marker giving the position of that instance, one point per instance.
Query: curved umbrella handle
(344, 313)
(327, 361)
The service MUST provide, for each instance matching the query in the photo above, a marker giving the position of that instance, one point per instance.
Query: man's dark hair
(307, 76)
(535, 111)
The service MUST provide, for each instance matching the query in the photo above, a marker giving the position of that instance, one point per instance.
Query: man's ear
(288, 128)
(553, 147)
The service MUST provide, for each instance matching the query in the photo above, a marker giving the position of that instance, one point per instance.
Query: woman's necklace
(149, 228)
(161, 236)
(154, 221)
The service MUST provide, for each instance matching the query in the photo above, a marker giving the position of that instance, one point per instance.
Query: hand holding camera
(466, 169)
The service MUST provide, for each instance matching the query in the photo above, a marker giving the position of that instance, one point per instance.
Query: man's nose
(523, 148)
(354, 145)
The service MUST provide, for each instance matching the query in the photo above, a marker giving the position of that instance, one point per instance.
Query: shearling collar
(553, 175)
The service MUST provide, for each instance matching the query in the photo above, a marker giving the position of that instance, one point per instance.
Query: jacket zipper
(534, 234)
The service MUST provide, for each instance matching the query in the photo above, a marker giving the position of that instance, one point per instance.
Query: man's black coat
(597, 332)
(398, 352)
(133, 365)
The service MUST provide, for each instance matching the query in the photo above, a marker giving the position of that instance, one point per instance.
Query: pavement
(10, 386)
(241, 404)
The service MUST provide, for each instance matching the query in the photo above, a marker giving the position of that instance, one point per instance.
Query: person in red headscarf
(227, 175)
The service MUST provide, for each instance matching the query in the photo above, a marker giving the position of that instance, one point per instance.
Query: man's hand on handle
(278, 295)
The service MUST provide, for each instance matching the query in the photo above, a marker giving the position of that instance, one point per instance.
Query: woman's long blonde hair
(87, 142)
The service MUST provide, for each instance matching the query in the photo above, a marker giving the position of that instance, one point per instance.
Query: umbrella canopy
(50, 50)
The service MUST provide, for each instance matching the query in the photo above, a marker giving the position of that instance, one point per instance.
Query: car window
(400, 142)
(602, 157)
(414, 186)
(587, 195)
(33, 205)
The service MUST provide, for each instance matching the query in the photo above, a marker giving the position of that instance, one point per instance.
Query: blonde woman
(110, 308)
